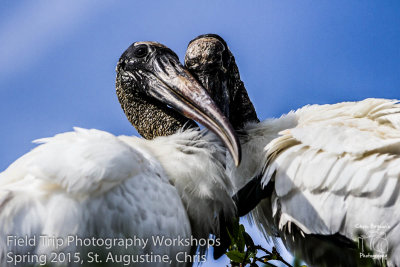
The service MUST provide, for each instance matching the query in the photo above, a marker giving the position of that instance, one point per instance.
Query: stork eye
(140, 51)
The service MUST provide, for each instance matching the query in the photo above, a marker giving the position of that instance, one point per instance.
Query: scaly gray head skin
(159, 96)
(150, 117)
(209, 59)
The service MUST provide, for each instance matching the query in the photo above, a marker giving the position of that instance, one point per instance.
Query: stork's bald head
(209, 59)
(159, 96)
(207, 53)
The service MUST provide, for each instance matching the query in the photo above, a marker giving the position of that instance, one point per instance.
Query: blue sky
(57, 58)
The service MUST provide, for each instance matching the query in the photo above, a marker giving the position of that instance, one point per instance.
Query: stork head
(209, 59)
(159, 96)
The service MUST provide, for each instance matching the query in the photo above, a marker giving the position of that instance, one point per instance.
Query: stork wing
(338, 169)
(89, 183)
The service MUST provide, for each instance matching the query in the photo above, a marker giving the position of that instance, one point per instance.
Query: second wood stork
(327, 175)
(89, 191)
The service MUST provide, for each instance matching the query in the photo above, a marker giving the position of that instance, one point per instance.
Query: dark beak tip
(239, 160)
(238, 156)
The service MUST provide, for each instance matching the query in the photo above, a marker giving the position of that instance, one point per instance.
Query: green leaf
(235, 256)
(252, 255)
(249, 242)
(241, 243)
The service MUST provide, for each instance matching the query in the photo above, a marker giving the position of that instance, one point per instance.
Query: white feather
(334, 166)
(90, 183)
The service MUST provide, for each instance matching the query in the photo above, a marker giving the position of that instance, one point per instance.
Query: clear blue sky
(57, 58)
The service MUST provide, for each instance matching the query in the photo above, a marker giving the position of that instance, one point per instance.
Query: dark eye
(140, 51)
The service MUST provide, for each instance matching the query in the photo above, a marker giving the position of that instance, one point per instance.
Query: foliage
(243, 252)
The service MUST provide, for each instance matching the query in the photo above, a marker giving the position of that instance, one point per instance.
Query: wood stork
(329, 175)
(79, 190)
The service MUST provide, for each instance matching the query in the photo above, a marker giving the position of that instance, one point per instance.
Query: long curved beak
(176, 87)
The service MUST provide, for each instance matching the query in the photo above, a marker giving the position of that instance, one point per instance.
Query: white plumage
(90, 183)
(335, 169)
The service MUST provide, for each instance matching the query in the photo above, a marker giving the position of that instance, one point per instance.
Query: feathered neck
(194, 162)
(254, 139)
